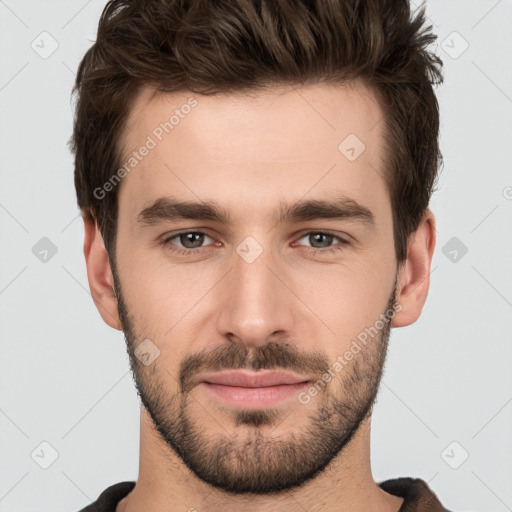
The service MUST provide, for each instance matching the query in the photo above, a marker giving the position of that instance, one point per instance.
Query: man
(254, 178)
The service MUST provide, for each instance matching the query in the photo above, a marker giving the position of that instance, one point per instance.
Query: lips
(259, 379)
(242, 389)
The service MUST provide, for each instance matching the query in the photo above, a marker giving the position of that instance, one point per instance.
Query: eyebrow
(170, 209)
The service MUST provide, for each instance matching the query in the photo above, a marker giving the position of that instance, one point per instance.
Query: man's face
(265, 291)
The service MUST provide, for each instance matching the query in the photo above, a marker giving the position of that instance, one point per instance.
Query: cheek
(345, 300)
(168, 298)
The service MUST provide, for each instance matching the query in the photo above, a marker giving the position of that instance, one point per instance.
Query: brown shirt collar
(418, 497)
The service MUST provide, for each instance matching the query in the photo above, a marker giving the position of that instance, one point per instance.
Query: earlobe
(414, 274)
(99, 273)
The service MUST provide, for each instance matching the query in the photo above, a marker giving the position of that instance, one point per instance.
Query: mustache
(271, 356)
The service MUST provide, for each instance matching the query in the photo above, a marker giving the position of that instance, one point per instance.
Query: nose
(256, 303)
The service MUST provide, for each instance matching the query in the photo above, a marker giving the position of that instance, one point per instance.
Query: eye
(191, 241)
(321, 241)
(188, 242)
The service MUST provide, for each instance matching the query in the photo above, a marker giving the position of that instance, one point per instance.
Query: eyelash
(342, 243)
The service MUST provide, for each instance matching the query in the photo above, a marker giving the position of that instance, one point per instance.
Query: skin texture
(293, 307)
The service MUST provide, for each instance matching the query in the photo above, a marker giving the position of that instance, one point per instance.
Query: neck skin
(165, 483)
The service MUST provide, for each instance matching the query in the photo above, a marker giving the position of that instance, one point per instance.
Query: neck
(165, 483)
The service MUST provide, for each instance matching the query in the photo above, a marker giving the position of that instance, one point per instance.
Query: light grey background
(64, 374)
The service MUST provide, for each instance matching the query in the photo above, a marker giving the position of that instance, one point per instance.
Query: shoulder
(418, 496)
(110, 497)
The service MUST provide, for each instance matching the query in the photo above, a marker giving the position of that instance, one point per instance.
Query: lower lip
(254, 398)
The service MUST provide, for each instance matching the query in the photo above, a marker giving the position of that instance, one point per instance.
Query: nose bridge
(255, 303)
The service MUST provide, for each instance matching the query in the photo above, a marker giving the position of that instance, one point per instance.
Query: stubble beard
(243, 453)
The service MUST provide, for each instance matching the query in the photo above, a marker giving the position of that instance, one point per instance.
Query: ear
(99, 273)
(414, 273)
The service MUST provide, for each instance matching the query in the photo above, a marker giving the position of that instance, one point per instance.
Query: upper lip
(247, 379)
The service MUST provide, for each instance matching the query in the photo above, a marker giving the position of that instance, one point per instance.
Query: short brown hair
(208, 47)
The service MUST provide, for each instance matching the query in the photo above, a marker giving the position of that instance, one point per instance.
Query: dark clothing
(418, 497)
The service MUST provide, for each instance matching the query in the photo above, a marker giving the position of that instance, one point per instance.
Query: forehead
(285, 141)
